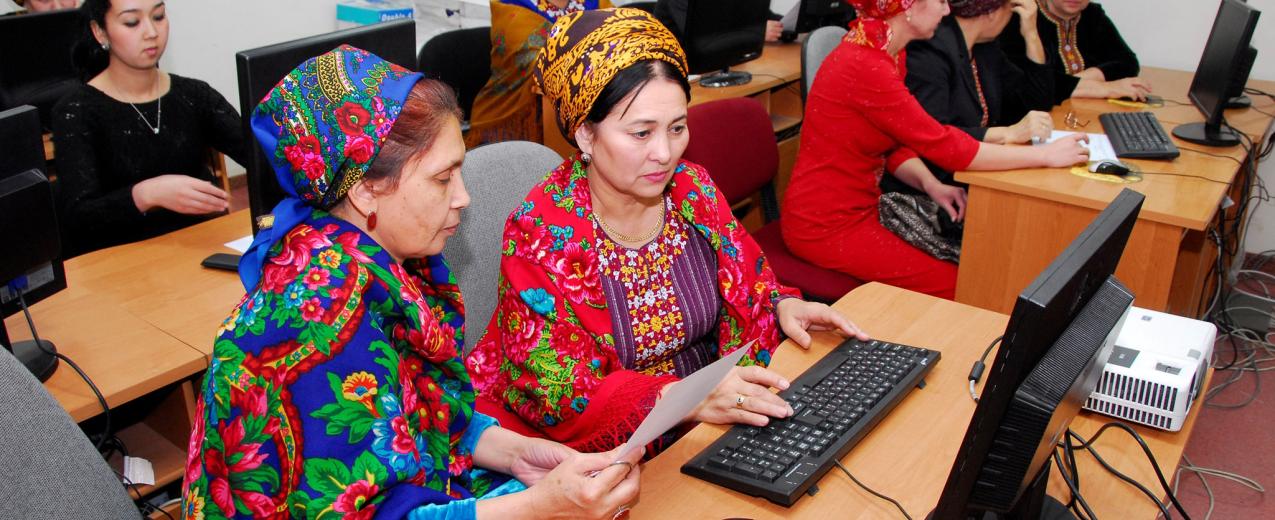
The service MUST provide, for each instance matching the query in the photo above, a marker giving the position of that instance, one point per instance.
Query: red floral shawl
(548, 358)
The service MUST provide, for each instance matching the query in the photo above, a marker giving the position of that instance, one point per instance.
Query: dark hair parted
(88, 56)
(426, 109)
(631, 81)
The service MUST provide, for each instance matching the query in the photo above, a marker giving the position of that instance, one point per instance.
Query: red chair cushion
(734, 140)
(815, 282)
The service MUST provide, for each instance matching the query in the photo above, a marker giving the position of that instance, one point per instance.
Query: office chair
(645, 6)
(817, 46)
(734, 140)
(498, 177)
(461, 59)
(51, 468)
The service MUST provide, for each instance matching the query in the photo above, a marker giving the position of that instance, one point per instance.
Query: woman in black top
(133, 143)
(1089, 58)
(962, 78)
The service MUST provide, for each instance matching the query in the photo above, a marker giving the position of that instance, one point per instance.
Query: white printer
(1156, 369)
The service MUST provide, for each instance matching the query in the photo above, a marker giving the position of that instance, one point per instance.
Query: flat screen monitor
(1224, 53)
(261, 69)
(35, 59)
(28, 222)
(717, 34)
(1051, 357)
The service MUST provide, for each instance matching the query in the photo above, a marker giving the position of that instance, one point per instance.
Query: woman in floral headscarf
(862, 122)
(624, 269)
(507, 109)
(336, 388)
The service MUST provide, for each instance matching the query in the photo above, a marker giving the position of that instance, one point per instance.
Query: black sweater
(104, 148)
(1097, 38)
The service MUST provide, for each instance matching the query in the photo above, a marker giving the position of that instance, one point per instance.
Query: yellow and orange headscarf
(586, 49)
(869, 28)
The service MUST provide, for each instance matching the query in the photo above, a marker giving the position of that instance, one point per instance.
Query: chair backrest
(734, 139)
(461, 59)
(51, 468)
(498, 177)
(817, 46)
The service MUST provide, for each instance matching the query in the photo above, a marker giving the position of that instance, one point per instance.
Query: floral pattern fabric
(335, 388)
(548, 357)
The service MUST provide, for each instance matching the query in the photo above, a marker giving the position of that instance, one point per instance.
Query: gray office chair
(819, 43)
(50, 468)
(498, 177)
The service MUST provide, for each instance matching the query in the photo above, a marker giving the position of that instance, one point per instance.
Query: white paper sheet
(240, 244)
(1099, 145)
(683, 397)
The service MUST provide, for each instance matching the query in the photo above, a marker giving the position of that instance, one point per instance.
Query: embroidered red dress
(548, 363)
(861, 121)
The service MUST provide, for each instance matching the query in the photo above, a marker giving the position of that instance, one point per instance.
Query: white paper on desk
(1099, 145)
(683, 397)
(240, 244)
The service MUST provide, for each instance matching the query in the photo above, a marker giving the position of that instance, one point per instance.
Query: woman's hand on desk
(796, 316)
(1065, 151)
(1035, 124)
(774, 29)
(587, 485)
(181, 194)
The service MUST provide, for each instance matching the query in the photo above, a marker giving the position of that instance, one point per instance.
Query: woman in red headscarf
(862, 122)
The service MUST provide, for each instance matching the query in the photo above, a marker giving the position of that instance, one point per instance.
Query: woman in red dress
(861, 122)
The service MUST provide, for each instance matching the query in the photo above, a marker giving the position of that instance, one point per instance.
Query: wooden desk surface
(166, 286)
(124, 355)
(1188, 202)
(909, 454)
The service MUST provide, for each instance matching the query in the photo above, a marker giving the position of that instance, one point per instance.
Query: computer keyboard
(836, 402)
(1137, 135)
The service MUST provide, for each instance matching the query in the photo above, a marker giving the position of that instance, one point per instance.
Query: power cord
(1073, 484)
(1201, 177)
(976, 371)
(1146, 450)
(1201, 472)
(1103, 462)
(101, 400)
(873, 493)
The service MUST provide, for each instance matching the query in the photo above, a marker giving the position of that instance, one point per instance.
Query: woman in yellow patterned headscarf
(507, 109)
(624, 270)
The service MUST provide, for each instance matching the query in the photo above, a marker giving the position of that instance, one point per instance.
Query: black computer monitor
(35, 59)
(1224, 52)
(1051, 357)
(808, 15)
(717, 34)
(1235, 97)
(261, 69)
(31, 262)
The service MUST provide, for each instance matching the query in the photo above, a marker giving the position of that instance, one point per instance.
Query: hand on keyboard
(744, 397)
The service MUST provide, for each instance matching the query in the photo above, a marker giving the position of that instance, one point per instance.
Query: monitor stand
(42, 362)
(1206, 134)
(1240, 101)
(1034, 504)
(725, 78)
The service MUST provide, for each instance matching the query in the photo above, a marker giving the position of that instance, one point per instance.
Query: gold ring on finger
(739, 400)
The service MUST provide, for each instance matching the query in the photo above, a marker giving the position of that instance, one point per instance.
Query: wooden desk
(140, 320)
(909, 454)
(1018, 221)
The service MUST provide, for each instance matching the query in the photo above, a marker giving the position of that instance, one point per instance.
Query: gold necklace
(641, 239)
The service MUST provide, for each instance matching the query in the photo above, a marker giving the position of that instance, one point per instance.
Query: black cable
(976, 371)
(874, 493)
(1224, 183)
(1155, 464)
(1075, 490)
(1111, 469)
(1202, 152)
(101, 400)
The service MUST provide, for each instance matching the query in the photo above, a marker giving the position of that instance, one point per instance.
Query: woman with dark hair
(862, 122)
(507, 109)
(962, 78)
(624, 270)
(1089, 58)
(336, 386)
(133, 142)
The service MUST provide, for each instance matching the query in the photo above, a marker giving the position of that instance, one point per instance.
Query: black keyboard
(837, 401)
(1137, 135)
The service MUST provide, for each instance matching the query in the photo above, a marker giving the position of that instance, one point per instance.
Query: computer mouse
(1116, 168)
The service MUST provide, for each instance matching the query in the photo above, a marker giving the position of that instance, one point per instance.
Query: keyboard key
(747, 470)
